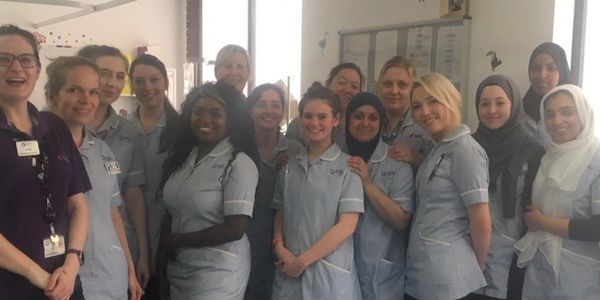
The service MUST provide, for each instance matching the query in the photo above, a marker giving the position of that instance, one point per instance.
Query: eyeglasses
(26, 60)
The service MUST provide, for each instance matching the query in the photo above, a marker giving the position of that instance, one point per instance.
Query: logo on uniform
(387, 173)
(338, 172)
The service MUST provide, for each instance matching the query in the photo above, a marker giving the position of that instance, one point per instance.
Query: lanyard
(40, 162)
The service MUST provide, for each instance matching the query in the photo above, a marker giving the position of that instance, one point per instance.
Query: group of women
(385, 196)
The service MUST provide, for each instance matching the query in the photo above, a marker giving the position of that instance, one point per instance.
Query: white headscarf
(557, 178)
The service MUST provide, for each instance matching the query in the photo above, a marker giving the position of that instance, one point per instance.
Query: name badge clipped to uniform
(54, 245)
(112, 167)
(27, 148)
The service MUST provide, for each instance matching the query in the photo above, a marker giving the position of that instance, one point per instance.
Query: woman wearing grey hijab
(514, 157)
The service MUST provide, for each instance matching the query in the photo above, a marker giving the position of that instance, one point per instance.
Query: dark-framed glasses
(26, 60)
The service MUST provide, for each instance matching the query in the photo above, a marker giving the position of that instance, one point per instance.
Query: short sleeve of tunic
(239, 189)
(402, 187)
(470, 174)
(351, 198)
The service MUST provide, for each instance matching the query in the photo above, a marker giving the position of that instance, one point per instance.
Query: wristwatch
(79, 254)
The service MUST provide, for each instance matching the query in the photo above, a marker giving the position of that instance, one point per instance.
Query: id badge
(27, 148)
(112, 167)
(54, 245)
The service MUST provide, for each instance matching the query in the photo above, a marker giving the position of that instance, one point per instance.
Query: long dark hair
(239, 127)
(166, 137)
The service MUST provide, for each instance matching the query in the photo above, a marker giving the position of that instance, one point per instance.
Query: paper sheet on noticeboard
(449, 56)
(418, 48)
(386, 46)
(356, 50)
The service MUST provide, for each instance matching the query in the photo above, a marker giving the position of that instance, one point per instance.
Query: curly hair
(239, 127)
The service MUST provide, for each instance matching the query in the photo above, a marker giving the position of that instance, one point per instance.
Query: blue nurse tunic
(200, 195)
(441, 262)
(379, 250)
(311, 196)
(104, 274)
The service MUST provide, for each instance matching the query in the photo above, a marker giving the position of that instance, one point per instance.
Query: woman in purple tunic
(43, 213)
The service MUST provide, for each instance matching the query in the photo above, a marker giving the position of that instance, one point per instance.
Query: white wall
(159, 24)
(510, 27)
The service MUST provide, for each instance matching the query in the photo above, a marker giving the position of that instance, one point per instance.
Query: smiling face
(149, 85)
(318, 121)
(16, 82)
(267, 113)
(234, 71)
(430, 113)
(394, 90)
(562, 119)
(543, 74)
(494, 107)
(209, 120)
(345, 84)
(77, 99)
(113, 73)
(364, 123)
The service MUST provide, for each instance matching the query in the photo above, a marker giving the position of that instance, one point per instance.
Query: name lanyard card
(54, 244)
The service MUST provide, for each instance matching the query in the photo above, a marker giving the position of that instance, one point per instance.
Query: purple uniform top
(22, 209)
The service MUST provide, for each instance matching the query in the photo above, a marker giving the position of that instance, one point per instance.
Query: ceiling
(40, 13)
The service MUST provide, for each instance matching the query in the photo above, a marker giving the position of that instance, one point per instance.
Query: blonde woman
(451, 229)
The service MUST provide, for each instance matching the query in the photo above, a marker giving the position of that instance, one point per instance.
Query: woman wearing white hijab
(560, 248)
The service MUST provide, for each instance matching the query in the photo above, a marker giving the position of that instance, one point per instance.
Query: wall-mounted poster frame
(440, 45)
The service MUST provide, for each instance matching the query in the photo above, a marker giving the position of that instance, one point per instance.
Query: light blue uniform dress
(123, 138)
(295, 131)
(441, 262)
(152, 167)
(410, 133)
(505, 233)
(200, 195)
(311, 196)
(104, 273)
(579, 276)
(379, 250)
(260, 230)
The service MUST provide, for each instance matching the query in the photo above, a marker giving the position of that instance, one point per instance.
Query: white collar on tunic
(330, 154)
(221, 148)
(380, 152)
(456, 133)
(88, 141)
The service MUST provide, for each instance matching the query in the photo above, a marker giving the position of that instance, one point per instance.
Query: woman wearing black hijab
(379, 239)
(514, 157)
(548, 68)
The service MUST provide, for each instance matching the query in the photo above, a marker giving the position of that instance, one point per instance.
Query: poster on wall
(386, 46)
(418, 48)
(449, 56)
(356, 50)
